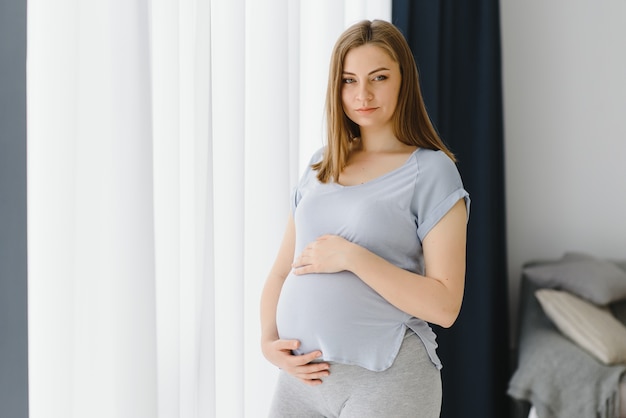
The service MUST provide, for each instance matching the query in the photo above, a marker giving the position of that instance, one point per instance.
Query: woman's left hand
(327, 254)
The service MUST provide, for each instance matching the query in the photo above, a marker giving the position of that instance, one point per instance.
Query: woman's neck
(381, 140)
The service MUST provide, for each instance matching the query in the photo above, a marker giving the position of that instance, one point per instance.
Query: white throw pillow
(592, 327)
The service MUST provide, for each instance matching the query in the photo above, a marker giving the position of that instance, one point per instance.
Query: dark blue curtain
(457, 48)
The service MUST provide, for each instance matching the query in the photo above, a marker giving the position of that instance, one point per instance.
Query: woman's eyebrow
(370, 73)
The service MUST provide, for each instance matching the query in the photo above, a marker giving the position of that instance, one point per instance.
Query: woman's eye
(380, 78)
(348, 80)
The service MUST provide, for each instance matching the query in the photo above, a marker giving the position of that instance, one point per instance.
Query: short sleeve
(438, 187)
(305, 180)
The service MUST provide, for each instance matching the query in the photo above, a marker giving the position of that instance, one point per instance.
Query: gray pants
(411, 387)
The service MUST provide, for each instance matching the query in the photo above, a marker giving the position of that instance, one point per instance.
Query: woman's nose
(364, 93)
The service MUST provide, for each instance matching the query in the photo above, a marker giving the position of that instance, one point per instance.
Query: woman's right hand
(279, 353)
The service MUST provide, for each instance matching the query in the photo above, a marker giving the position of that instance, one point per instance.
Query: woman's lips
(366, 110)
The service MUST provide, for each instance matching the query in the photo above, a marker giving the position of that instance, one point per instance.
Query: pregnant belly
(331, 312)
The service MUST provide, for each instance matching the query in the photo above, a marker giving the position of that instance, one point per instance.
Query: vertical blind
(164, 139)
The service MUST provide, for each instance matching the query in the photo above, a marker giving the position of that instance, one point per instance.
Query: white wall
(564, 69)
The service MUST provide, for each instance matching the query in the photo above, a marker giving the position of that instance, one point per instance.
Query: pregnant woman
(374, 248)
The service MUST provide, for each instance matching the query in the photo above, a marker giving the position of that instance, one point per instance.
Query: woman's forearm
(269, 301)
(420, 296)
(435, 297)
(274, 282)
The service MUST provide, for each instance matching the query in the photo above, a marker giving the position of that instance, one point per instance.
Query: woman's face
(371, 84)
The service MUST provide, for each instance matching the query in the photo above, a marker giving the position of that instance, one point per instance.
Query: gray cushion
(596, 280)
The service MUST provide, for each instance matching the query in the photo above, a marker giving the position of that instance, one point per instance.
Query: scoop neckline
(382, 176)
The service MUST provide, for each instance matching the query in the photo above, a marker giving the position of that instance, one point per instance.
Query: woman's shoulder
(317, 155)
(308, 172)
(431, 154)
(435, 170)
(433, 160)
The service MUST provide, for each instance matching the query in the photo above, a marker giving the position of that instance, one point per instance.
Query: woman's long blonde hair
(411, 123)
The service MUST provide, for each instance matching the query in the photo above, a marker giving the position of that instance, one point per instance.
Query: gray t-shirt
(338, 313)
